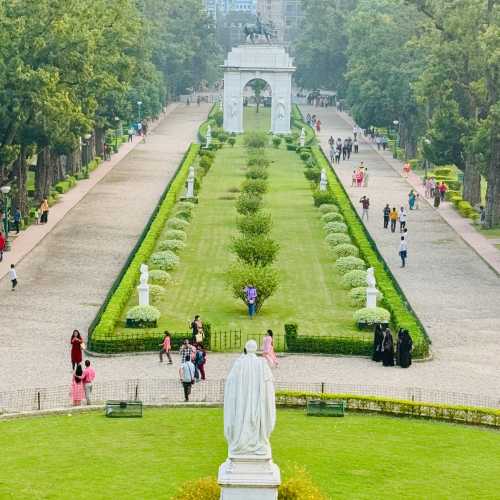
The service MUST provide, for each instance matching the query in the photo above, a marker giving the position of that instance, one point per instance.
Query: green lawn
(309, 293)
(257, 121)
(358, 457)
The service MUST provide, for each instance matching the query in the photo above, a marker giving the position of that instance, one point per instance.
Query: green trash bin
(127, 409)
(321, 408)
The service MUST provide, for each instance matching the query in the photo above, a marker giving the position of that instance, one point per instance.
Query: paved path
(66, 276)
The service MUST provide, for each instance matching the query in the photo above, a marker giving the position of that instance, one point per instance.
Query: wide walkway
(63, 281)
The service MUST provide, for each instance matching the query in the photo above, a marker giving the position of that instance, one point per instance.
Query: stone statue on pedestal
(371, 291)
(190, 183)
(143, 287)
(302, 138)
(249, 418)
(323, 182)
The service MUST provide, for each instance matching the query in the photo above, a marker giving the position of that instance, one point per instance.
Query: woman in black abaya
(377, 343)
(405, 347)
(387, 348)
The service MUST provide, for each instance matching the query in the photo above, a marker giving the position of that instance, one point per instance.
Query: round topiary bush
(371, 316)
(346, 264)
(175, 234)
(328, 207)
(332, 217)
(174, 245)
(335, 227)
(166, 260)
(357, 296)
(142, 317)
(156, 292)
(354, 279)
(185, 205)
(183, 214)
(254, 186)
(345, 250)
(176, 223)
(334, 239)
(159, 277)
(248, 204)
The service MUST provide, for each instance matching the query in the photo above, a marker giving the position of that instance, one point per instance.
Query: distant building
(217, 8)
(286, 16)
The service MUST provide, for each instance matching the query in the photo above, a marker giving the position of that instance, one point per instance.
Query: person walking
(387, 212)
(44, 209)
(437, 198)
(354, 178)
(2, 245)
(13, 276)
(365, 177)
(338, 152)
(17, 220)
(331, 154)
(378, 142)
(356, 145)
(200, 360)
(76, 348)
(331, 141)
(197, 329)
(88, 380)
(411, 199)
(442, 190)
(393, 216)
(131, 132)
(385, 143)
(186, 375)
(378, 336)
(387, 348)
(251, 299)
(166, 347)
(406, 170)
(402, 219)
(365, 204)
(404, 349)
(318, 125)
(403, 251)
(185, 350)
(77, 390)
(268, 349)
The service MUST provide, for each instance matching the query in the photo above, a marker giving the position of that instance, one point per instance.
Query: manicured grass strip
(355, 457)
(124, 287)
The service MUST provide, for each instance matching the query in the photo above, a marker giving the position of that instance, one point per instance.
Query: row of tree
(71, 69)
(431, 65)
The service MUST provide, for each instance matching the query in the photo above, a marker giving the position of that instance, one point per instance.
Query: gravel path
(63, 281)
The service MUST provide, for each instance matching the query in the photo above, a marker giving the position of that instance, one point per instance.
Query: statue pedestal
(143, 295)
(249, 477)
(371, 297)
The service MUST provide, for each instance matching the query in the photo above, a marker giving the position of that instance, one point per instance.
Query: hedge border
(110, 311)
(470, 415)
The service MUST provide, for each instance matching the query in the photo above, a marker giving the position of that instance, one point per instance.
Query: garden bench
(320, 408)
(123, 409)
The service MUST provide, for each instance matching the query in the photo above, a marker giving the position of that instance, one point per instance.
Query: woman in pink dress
(77, 389)
(359, 177)
(268, 349)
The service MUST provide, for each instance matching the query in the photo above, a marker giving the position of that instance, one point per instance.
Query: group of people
(314, 122)
(193, 359)
(141, 129)
(435, 190)
(342, 149)
(359, 176)
(392, 216)
(380, 140)
(384, 349)
(82, 378)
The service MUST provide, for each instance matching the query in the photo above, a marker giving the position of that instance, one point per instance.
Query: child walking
(13, 276)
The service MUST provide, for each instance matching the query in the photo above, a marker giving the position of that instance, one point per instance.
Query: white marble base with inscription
(249, 477)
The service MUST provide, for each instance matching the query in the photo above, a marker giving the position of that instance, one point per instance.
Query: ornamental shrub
(175, 234)
(255, 139)
(304, 156)
(232, 141)
(328, 207)
(156, 292)
(255, 250)
(312, 174)
(332, 217)
(288, 139)
(176, 223)
(183, 214)
(335, 227)
(258, 160)
(357, 296)
(322, 197)
(258, 224)
(166, 260)
(353, 279)
(173, 245)
(248, 204)
(159, 277)
(465, 208)
(443, 172)
(334, 239)
(265, 279)
(218, 116)
(345, 264)
(205, 163)
(345, 250)
(223, 137)
(254, 186)
(143, 314)
(256, 172)
(299, 487)
(276, 141)
(185, 205)
(371, 316)
(201, 489)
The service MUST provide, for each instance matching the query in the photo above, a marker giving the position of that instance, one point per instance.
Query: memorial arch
(265, 62)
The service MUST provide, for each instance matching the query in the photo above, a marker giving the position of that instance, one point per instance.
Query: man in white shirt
(13, 276)
(402, 219)
(403, 251)
(186, 374)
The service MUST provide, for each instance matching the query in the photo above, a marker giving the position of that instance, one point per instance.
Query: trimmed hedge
(345, 250)
(332, 217)
(112, 309)
(335, 227)
(328, 207)
(355, 402)
(343, 265)
(354, 279)
(394, 300)
(334, 239)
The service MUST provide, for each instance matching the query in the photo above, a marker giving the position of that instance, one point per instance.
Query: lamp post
(117, 120)
(139, 104)
(396, 146)
(5, 195)
(86, 144)
(426, 161)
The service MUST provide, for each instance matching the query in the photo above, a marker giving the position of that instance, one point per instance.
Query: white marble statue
(209, 136)
(302, 138)
(371, 291)
(323, 182)
(281, 109)
(190, 183)
(234, 107)
(249, 418)
(143, 287)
